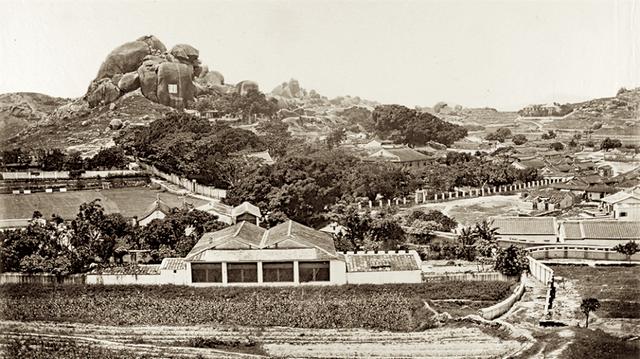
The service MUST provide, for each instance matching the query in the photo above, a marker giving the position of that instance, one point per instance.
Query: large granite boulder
(104, 92)
(243, 87)
(175, 84)
(129, 81)
(165, 77)
(128, 57)
(148, 76)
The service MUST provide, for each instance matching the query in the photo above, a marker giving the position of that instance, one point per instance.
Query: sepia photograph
(320, 179)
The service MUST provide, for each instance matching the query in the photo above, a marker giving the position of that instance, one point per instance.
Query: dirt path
(445, 342)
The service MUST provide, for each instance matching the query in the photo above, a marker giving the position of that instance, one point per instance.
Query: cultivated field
(617, 288)
(461, 340)
(322, 322)
(127, 201)
(387, 307)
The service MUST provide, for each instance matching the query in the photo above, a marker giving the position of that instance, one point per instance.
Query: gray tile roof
(525, 225)
(601, 229)
(382, 261)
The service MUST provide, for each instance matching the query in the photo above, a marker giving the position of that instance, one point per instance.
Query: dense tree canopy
(404, 125)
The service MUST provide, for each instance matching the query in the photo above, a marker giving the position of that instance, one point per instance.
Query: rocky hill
(19, 111)
(143, 80)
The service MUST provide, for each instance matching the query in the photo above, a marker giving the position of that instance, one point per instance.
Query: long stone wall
(580, 252)
(504, 306)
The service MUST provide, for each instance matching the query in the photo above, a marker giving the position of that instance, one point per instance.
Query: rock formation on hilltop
(289, 89)
(172, 78)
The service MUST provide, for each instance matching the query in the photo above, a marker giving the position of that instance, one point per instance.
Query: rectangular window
(277, 272)
(623, 214)
(314, 271)
(206, 272)
(242, 272)
(173, 88)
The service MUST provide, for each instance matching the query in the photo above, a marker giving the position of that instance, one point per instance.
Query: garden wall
(41, 278)
(499, 309)
(489, 276)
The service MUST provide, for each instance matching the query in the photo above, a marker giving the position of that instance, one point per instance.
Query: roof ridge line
(239, 228)
(264, 238)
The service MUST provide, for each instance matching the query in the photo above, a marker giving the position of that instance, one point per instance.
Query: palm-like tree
(467, 236)
(486, 230)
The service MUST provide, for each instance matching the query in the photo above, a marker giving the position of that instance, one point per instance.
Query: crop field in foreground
(461, 340)
(617, 288)
(384, 307)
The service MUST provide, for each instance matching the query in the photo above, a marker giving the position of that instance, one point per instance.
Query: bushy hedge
(388, 307)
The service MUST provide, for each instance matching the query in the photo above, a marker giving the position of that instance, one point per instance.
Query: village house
(623, 205)
(375, 145)
(157, 210)
(527, 230)
(232, 215)
(407, 157)
(548, 199)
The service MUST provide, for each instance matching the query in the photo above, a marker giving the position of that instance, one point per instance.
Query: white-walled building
(287, 254)
(624, 206)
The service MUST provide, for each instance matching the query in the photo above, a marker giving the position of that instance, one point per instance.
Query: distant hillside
(19, 111)
(73, 123)
(619, 115)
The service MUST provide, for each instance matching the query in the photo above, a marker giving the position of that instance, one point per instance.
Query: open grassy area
(127, 201)
(387, 307)
(617, 288)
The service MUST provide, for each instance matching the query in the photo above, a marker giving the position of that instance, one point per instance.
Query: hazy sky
(503, 54)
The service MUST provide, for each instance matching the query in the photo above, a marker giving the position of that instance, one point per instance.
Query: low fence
(41, 278)
(424, 196)
(500, 308)
(37, 175)
(470, 277)
(190, 185)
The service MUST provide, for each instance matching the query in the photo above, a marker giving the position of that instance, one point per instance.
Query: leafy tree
(556, 146)
(356, 227)
(385, 232)
(442, 221)
(485, 230)
(549, 135)
(519, 139)
(587, 306)
(108, 158)
(53, 160)
(404, 125)
(609, 143)
(74, 162)
(336, 137)
(628, 249)
(500, 135)
(511, 261)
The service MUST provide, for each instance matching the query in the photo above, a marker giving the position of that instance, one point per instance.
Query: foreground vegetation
(386, 307)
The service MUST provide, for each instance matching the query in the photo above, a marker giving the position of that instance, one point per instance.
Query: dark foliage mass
(386, 307)
(57, 160)
(404, 125)
(51, 246)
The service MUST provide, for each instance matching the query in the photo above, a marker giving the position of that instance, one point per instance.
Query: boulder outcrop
(165, 77)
